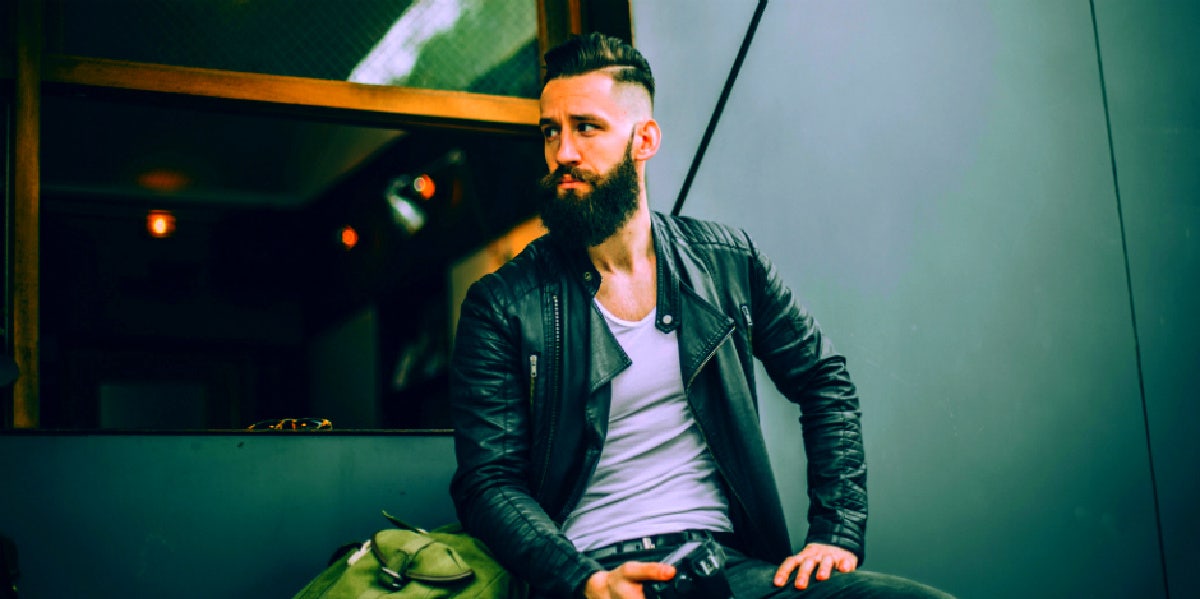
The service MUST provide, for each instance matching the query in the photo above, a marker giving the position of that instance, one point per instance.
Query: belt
(673, 539)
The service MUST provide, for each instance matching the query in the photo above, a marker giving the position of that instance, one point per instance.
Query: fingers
(805, 572)
(848, 563)
(802, 564)
(815, 559)
(825, 568)
(625, 582)
(640, 571)
(784, 571)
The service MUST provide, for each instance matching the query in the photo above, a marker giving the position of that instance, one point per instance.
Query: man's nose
(568, 151)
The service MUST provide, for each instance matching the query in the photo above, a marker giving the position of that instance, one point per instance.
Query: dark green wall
(934, 179)
(222, 515)
(1153, 84)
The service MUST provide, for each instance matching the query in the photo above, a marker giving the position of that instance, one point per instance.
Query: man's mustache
(555, 177)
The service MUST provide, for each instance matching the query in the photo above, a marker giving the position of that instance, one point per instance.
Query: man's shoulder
(521, 275)
(701, 233)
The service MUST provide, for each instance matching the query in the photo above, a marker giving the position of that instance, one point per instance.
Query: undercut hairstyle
(598, 52)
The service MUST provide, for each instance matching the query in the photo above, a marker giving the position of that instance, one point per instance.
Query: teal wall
(934, 180)
(204, 516)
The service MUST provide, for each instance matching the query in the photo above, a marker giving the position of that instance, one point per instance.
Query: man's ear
(646, 138)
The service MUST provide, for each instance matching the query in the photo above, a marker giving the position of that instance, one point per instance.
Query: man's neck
(629, 248)
(626, 263)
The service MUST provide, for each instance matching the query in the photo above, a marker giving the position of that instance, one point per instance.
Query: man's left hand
(822, 558)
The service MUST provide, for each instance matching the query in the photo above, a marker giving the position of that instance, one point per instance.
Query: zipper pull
(749, 321)
(532, 377)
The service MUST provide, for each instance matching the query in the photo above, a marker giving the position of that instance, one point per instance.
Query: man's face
(591, 211)
(588, 125)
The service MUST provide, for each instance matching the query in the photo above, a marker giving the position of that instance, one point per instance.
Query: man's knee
(867, 584)
(758, 583)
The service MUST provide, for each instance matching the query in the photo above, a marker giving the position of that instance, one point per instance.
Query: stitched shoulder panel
(701, 233)
(519, 277)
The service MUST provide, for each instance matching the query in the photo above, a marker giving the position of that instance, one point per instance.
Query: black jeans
(755, 579)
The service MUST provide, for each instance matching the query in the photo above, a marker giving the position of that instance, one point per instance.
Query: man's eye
(586, 128)
(549, 132)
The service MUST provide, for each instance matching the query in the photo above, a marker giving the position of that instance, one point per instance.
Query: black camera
(699, 573)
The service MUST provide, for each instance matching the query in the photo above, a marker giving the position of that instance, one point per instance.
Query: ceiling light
(160, 223)
(412, 186)
(406, 214)
(349, 237)
(402, 193)
(423, 186)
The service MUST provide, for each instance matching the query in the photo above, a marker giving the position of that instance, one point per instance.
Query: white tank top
(656, 474)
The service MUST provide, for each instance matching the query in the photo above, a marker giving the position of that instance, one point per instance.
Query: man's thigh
(754, 579)
(751, 578)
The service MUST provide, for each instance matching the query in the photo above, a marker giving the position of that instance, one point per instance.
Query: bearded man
(604, 406)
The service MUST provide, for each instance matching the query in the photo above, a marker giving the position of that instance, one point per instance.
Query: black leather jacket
(529, 378)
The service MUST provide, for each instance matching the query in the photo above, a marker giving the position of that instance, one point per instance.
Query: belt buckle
(647, 543)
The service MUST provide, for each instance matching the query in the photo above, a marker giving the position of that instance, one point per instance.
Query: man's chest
(628, 296)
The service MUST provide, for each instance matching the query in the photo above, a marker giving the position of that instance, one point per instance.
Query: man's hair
(594, 52)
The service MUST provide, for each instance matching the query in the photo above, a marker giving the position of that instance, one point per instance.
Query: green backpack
(410, 563)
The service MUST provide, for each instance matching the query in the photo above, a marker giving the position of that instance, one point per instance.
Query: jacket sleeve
(490, 487)
(805, 368)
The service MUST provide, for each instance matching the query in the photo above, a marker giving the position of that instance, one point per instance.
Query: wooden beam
(339, 100)
(26, 209)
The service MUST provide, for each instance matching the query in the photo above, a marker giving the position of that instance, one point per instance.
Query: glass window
(302, 268)
(479, 46)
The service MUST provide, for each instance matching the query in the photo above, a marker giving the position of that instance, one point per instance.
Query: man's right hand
(626, 581)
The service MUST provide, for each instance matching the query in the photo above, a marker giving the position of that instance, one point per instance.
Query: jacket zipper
(552, 395)
(749, 323)
(532, 378)
(707, 358)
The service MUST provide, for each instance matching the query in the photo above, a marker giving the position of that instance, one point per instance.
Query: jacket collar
(607, 357)
(666, 243)
(686, 297)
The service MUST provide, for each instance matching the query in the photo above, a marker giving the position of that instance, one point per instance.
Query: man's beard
(590, 218)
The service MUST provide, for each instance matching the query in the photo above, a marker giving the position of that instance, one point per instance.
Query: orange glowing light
(160, 223)
(349, 237)
(423, 186)
(162, 180)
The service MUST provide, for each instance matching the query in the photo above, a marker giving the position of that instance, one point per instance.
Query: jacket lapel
(608, 359)
(687, 300)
